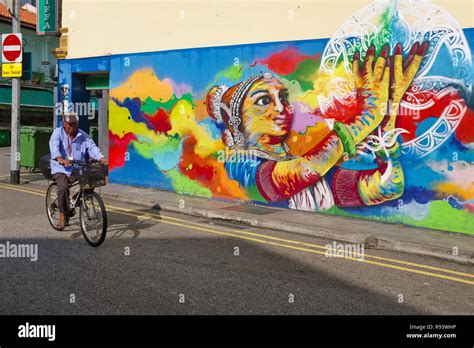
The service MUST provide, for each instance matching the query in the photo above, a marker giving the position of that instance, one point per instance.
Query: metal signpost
(11, 67)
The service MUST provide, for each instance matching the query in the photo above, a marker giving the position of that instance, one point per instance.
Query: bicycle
(92, 212)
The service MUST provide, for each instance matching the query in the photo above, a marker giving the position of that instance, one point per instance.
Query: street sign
(47, 17)
(11, 48)
(11, 70)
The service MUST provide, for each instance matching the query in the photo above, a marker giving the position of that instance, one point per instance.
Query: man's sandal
(61, 225)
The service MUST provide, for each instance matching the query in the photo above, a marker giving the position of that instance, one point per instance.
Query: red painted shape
(465, 131)
(345, 187)
(469, 207)
(199, 170)
(346, 110)
(160, 121)
(284, 62)
(117, 148)
(407, 120)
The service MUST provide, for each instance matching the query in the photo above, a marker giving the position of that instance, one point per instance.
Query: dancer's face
(266, 111)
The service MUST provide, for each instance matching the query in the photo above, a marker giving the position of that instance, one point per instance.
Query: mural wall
(376, 122)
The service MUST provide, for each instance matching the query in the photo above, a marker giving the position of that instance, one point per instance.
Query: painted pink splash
(304, 117)
(179, 89)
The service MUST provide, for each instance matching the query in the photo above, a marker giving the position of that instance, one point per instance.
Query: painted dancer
(258, 117)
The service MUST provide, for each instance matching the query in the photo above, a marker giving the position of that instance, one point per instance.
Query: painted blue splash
(134, 107)
(211, 128)
(419, 194)
(425, 125)
(360, 162)
(140, 171)
(454, 202)
(198, 75)
(451, 150)
(398, 29)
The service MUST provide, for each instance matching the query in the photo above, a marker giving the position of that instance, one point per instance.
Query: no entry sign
(11, 48)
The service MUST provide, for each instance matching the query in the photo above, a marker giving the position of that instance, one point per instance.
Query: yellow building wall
(103, 27)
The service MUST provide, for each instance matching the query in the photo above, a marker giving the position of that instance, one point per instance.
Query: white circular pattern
(417, 21)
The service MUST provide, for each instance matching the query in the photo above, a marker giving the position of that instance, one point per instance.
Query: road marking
(27, 190)
(34, 192)
(285, 240)
(306, 244)
(150, 216)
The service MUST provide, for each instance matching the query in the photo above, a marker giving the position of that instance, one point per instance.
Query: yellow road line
(35, 192)
(291, 241)
(148, 217)
(306, 244)
(151, 216)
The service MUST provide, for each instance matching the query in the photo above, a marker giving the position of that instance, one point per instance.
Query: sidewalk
(373, 234)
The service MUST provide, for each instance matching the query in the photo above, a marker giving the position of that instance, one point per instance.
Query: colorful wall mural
(376, 122)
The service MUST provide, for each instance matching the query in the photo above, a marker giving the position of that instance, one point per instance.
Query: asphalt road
(179, 264)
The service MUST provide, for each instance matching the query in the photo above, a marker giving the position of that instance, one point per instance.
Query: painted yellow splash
(144, 83)
(183, 122)
(121, 123)
(447, 188)
(339, 82)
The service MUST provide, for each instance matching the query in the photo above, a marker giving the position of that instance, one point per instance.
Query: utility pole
(15, 137)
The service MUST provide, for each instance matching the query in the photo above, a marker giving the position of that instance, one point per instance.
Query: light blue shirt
(81, 145)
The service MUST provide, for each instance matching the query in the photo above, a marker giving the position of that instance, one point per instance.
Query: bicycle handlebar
(80, 163)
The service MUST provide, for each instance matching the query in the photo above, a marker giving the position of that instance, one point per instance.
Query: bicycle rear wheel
(52, 208)
(93, 218)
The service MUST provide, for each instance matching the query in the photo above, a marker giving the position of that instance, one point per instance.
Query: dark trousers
(62, 180)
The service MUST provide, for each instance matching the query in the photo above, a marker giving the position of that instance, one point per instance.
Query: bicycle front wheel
(93, 218)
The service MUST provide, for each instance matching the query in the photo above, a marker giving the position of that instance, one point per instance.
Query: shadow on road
(160, 270)
(118, 226)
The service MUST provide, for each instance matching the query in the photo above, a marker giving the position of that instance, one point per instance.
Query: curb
(369, 241)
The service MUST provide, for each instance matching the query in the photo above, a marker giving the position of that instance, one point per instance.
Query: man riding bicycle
(67, 144)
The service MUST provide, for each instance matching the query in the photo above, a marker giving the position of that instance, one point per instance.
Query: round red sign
(11, 48)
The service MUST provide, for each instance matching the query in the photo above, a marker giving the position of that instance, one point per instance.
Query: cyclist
(69, 143)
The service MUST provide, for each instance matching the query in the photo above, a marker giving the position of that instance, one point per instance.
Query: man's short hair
(71, 117)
